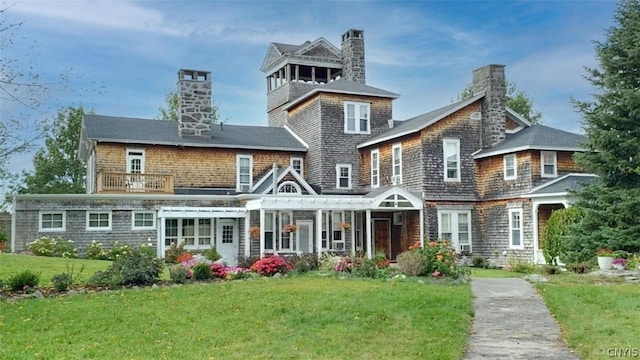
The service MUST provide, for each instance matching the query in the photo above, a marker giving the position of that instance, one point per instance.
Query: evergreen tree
(57, 168)
(612, 127)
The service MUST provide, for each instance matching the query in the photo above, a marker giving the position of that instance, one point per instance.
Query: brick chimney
(194, 93)
(353, 56)
(491, 80)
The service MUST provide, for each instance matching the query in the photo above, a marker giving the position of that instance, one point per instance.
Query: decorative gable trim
(319, 42)
(288, 170)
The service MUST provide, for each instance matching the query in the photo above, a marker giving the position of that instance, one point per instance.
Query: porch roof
(562, 185)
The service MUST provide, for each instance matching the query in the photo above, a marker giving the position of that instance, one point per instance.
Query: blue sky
(123, 56)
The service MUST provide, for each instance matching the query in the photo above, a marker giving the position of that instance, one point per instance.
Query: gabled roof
(419, 122)
(518, 118)
(536, 137)
(562, 185)
(265, 184)
(319, 49)
(162, 132)
(344, 86)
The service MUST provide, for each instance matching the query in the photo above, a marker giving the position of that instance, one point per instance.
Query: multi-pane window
(296, 164)
(194, 233)
(356, 118)
(359, 233)
(396, 163)
(285, 236)
(244, 172)
(227, 234)
(268, 231)
(549, 163)
(510, 168)
(204, 232)
(451, 151)
(289, 187)
(338, 232)
(52, 221)
(343, 176)
(189, 232)
(143, 220)
(170, 231)
(515, 228)
(325, 230)
(99, 220)
(135, 161)
(455, 226)
(375, 168)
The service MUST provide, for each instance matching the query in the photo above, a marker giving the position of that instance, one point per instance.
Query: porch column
(421, 227)
(534, 217)
(369, 237)
(319, 232)
(247, 237)
(160, 238)
(353, 232)
(262, 233)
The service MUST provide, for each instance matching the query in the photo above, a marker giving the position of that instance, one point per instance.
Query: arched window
(289, 187)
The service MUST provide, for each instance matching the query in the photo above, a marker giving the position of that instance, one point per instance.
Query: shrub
(247, 261)
(555, 232)
(480, 262)
(413, 263)
(366, 268)
(328, 262)
(236, 273)
(96, 252)
(62, 282)
(271, 265)
(201, 272)
(303, 263)
(178, 274)
(521, 266)
(23, 280)
(347, 264)
(551, 269)
(185, 256)
(442, 260)
(212, 254)
(218, 271)
(133, 267)
(117, 250)
(381, 259)
(579, 268)
(172, 253)
(55, 247)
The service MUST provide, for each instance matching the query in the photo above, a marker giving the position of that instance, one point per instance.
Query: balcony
(109, 182)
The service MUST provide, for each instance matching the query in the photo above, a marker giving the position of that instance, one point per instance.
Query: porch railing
(110, 182)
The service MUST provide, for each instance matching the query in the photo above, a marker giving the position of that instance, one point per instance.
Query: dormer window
(356, 118)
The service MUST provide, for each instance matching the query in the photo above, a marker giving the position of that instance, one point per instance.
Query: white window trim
(393, 162)
(375, 152)
(515, 166)
(356, 106)
(511, 246)
(64, 221)
(270, 227)
(555, 164)
(282, 234)
(142, 159)
(444, 159)
(292, 183)
(238, 184)
(133, 220)
(292, 159)
(453, 215)
(338, 166)
(334, 242)
(89, 228)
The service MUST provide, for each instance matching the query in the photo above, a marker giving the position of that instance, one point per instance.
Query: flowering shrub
(619, 261)
(179, 274)
(271, 265)
(96, 252)
(218, 271)
(347, 264)
(237, 272)
(328, 262)
(117, 251)
(436, 259)
(186, 256)
(56, 247)
(172, 253)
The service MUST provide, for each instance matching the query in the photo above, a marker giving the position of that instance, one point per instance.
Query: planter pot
(618, 266)
(605, 262)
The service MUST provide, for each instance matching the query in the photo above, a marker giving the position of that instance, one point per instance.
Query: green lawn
(594, 315)
(479, 273)
(11, 264)
(289, 318)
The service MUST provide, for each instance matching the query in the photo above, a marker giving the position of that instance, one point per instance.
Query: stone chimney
(491, 80)
(353, 56)
(194, 93)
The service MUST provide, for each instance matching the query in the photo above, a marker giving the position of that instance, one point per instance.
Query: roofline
(528, 147)
(334, 49)
(296, 136)
(333, 91)
(531, 196)
(549, 183)
(127, 196)
(413, 130)
(519, 117)
(221, 146)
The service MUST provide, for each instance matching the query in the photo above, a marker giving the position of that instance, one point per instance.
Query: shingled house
(331, 172)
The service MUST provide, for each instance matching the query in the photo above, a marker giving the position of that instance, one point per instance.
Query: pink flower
(436, 273)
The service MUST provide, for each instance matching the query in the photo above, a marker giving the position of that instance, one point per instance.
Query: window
(52, 221)
(227, 234)
(510, 167)
(515, 229)
(396, 164)
(338, 232)
(285, 237)
(143, 220)
(170, 232)
(268, 231)
(325, 231)
(204, 232)
(451, 151)
(189, 232)
(356, 118)
(455, 226)
(297, 165)
(289, 187)
(135, 161)
(343, 176)
(375, 168)
(194, 233)
(549, 162)
(98, 220)
(244, 165)
(359, 232)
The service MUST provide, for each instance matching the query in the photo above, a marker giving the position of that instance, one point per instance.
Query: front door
(227, 240)
(381, 236)
(304, 236)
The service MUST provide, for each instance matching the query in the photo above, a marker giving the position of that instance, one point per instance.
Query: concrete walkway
(512, 322)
